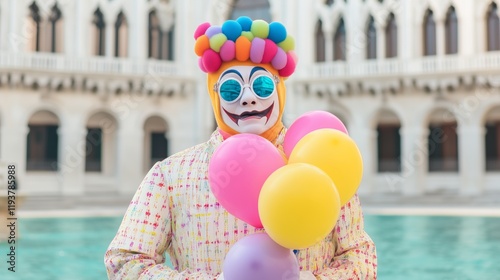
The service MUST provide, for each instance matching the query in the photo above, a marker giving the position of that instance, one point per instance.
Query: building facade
(93, 92)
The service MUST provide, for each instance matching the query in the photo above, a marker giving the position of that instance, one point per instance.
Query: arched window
(371, 40)
(34, 21)
(429, 34)
(161, 43)
(99, 33)
(391, 37)
(55, 31)
(121, 36)
(320, 42)
(154, 36)
(493, 28)
(339, 42)
(168, 49)
(255, 9)
(451, 31)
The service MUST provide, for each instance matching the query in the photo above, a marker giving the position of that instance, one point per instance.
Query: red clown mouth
(252, 114)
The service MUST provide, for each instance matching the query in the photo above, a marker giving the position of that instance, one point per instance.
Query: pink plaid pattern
(174, 212)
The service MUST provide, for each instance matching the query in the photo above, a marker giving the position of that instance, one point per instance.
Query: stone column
(109, 43)
(440, 37)
(79, 40)
(13, 132)
(17, 34)
(408, 34)
(355, 32)
(365, 139)
(72, 152)
(129, 157)
(468, 25)
(3, 29)
(138, 30)
(414, 162)
(380, 42)
(328, 46)
(471, 159)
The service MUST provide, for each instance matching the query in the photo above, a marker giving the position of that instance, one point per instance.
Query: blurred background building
(93, 92)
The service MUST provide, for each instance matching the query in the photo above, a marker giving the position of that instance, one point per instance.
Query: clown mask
(248, 97)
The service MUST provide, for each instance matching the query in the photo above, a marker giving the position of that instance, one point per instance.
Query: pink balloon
(309, 122)
(237, 171)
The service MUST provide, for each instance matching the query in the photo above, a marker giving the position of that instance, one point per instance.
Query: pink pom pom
(294, 56)
(227, 51)
(211, 60)
(270, 50)
(257, 50)
(200, 64)
(279, 60)
(201, 30)
(289, 68)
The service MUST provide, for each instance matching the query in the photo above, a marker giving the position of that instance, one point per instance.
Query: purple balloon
(257, 256)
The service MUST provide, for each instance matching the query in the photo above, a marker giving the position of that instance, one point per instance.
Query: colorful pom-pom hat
(245, 42)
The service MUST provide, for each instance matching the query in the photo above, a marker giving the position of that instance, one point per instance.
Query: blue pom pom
(277, 32)
(232, 29)
(245, 22)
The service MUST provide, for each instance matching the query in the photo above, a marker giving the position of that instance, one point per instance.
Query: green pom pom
(248, 34)
(288, 44)
(217, 41)
(260, 28)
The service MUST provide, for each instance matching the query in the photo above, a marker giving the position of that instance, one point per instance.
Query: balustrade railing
(428, 66)
(91, 65)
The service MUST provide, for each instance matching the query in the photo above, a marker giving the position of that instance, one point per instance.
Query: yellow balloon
(298, 205)
(336, 154)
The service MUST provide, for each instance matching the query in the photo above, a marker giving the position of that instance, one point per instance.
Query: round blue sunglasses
(231, 89)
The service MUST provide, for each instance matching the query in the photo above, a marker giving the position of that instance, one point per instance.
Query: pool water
(408, 247)
(423, 247)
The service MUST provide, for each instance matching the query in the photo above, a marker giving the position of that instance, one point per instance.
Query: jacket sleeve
(138, 249)
(355, 255)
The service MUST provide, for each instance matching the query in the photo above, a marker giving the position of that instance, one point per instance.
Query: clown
(248, 99)
(174, 211)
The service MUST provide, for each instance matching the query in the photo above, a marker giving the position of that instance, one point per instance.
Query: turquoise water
(409, 247)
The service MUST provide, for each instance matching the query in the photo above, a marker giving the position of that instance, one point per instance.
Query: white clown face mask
(249, 100)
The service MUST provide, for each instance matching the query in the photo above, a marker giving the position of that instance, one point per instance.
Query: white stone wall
(123, 160)
(75, 86)
(411, 86)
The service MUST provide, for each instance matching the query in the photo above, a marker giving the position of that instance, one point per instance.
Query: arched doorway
(492, 140)
(156, 146)
(388, 141)
(101, 144)
(442, 142)
(42, 148)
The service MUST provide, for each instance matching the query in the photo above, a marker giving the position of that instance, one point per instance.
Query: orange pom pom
(243, 48)
(201, 45)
